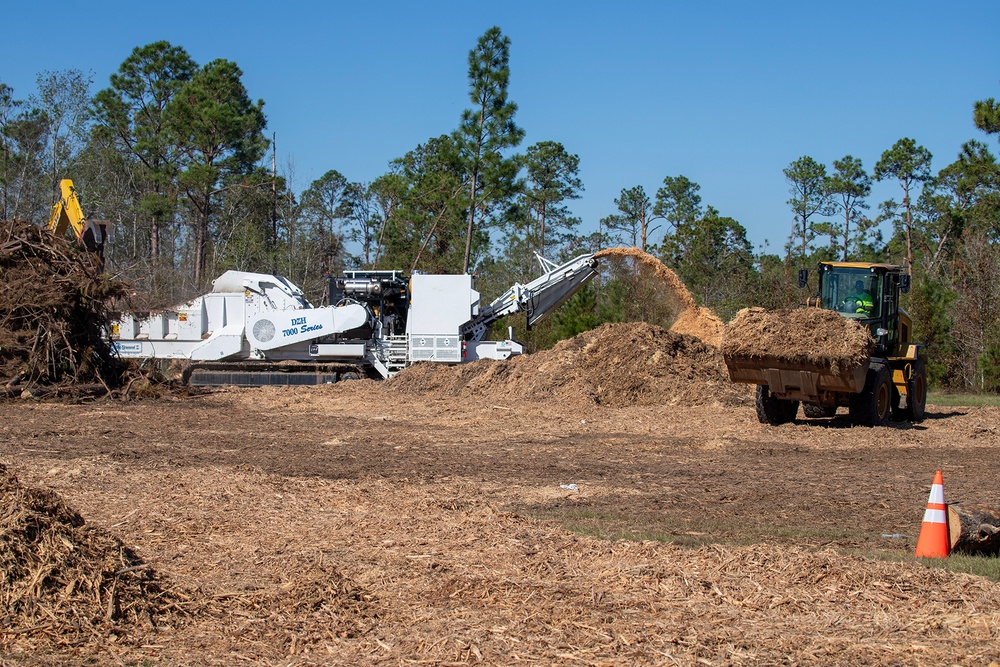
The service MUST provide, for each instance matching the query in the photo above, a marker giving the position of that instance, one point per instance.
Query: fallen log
(974, 529)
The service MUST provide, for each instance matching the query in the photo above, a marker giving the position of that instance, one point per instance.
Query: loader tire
(871, 406)
(916, 390)
(818, 411)
(771, 410)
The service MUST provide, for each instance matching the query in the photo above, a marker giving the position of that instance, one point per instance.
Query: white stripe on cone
(937, 495)
(935, 516)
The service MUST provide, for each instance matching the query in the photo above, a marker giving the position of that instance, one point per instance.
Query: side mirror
(804, 277)
(904, 283)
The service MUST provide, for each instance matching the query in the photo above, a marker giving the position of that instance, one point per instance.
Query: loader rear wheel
(771, 410)
(916, 389)
(871, 406)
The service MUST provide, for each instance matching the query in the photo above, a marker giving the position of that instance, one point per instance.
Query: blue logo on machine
(300, 325)
(127, 349)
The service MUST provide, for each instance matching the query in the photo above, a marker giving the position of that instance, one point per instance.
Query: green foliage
(810, 196)
(929, 304)
(848, 187)
(775, 284)
(65, 97)
(678, 202)
(132, 141)
(635, 222)
(324, 210)
(986, 114)
(949, 398)
(486, 131)
(704, 238)
(553, 176)
(23, 135)
(218, 131)
(908, 164)
(430, 200)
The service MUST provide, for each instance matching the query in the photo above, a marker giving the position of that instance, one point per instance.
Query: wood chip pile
(663, 293)
(614, 365)
(62, 578)
(502, 587)
(392, 563)
(449, 578)
(53, 307)
(808, 336)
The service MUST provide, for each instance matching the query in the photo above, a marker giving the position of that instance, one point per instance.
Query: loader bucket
(795, 379)
(799, 353)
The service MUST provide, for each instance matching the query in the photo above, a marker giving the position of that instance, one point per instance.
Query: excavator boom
(66, 213)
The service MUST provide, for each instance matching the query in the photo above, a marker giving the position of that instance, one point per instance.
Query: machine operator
(859, 301)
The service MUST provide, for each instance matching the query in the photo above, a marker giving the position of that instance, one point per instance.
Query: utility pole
(274, 202)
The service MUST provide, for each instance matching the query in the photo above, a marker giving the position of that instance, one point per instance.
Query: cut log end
(974, 529)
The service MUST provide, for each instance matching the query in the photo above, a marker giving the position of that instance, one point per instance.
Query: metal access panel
(439, 306)
(435, 348)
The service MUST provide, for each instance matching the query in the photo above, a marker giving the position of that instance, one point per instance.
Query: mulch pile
(615, 365)
(54, 307)
(64, 579)
(663, 293)
(810, 336)
(621, 364)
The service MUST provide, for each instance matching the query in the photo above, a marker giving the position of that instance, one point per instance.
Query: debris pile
(809, 336)
(616, 365)
(61, 577)
(54, 308)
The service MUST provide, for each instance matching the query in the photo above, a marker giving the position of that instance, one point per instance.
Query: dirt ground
(441, 523)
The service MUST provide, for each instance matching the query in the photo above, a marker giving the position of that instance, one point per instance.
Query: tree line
(177, 156)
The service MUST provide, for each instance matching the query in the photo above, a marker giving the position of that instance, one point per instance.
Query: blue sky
(725, 93)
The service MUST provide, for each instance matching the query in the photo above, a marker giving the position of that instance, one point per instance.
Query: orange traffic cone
(934, 541)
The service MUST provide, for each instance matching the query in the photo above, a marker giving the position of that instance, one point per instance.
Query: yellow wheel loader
(893, 382)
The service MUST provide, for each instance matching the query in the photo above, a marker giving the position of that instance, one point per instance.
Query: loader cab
(868, 293)
(855, 293)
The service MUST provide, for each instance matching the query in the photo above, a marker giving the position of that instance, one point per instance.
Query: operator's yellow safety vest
(863, 300)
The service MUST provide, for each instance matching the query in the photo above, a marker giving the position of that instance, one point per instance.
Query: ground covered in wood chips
(608, 502)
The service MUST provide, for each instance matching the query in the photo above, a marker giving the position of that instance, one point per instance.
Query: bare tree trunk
(472, 219)
(909, 231)
(847, 231)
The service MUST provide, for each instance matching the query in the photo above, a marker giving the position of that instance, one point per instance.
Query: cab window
(853, 292)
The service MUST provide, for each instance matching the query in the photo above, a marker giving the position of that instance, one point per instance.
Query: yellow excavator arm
(67, 213)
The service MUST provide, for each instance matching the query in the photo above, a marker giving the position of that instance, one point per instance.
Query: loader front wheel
(818, 411)
(771, 410)
(871, 406)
